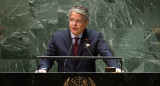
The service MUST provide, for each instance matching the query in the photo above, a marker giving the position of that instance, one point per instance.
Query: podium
(107, 69)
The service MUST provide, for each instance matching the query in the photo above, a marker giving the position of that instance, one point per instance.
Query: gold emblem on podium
(79, 81)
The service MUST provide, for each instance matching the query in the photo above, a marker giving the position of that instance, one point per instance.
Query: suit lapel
(68, 41)
(82, 43)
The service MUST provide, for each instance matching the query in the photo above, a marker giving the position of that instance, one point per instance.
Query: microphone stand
(67, 56)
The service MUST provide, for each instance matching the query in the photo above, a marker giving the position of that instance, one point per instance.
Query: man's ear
(87, 21)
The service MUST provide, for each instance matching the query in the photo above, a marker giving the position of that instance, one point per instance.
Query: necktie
(75, 47)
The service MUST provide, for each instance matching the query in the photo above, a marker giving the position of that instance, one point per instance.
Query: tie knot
(76, 39)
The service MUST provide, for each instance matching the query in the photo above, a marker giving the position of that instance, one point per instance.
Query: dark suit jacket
(61, 44)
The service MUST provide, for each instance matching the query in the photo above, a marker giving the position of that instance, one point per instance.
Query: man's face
(77, 23)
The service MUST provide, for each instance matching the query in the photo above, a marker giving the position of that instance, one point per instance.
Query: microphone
(67, 56)
(86, 46)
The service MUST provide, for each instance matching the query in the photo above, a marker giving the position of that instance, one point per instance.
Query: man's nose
(75, 23)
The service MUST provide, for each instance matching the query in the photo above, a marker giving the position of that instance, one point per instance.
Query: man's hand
(41, 71)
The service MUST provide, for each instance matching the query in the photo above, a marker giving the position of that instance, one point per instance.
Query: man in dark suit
(77, 41)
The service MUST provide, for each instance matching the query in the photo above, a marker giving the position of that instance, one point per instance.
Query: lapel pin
(87, 44)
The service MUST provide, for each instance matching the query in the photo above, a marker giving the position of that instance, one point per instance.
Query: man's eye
(78, 21)
(71, 19)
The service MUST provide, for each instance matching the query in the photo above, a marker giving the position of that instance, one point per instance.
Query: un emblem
(79, 81)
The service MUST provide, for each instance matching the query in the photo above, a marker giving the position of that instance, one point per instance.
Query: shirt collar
(73, 36)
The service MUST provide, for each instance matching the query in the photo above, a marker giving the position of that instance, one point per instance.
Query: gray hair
(81, 10)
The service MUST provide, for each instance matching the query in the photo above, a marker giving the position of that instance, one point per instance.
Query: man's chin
(74, 33)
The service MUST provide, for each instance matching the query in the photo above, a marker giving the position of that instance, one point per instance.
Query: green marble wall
(131, 28)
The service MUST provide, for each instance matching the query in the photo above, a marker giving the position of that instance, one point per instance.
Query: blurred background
(131, 28)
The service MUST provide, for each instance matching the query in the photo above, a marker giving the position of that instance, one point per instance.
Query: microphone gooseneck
(67, 56)
(70, 49)
(86, 46)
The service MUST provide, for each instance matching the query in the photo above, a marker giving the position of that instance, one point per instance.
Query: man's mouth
(74, 29)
